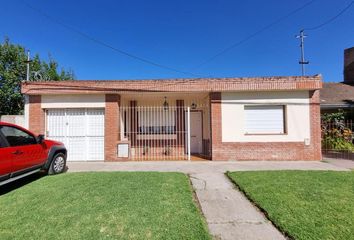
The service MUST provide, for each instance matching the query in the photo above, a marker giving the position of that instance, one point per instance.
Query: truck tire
(58, 164)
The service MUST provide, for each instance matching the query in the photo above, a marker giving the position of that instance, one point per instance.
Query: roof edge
(176, 85)
(310, 77)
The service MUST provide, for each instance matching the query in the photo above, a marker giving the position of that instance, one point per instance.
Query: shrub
(335, 133)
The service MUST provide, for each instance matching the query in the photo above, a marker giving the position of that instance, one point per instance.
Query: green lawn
(303, 204)
(117, 205)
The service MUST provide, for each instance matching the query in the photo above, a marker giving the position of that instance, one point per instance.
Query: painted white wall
(297, 115)
(15, 119)
(73, 101)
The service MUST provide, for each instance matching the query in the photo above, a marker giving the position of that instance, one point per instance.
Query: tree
(13, 71)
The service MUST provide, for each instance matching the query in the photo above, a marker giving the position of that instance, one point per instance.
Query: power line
(254, 34)
(104, 44)
(302, 35)
(331, 19)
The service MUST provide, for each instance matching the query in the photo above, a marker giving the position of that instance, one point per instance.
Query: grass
(117, 205)
(303, 204)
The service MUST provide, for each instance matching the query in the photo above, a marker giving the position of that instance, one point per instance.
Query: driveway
(228, 212)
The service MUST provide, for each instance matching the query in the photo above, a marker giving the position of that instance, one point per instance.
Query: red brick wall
(36, 118)
(349, 65)
(133, 122)
(215, 124)
(176, 85)
(265, 150)
(315, 127)
(180, 121)
(111, 127)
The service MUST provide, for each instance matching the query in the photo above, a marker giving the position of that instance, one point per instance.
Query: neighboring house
(15, 119)
(263, 118)
(337, 96)
(340, 96)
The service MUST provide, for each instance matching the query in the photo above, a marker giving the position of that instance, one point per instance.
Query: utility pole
(302, 62)
(28, 65)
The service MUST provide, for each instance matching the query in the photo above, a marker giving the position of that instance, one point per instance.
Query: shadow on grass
(4, 189)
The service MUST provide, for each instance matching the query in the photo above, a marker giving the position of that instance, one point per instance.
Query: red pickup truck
(23, 153)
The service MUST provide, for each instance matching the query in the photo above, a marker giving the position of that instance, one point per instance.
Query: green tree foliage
(13, 71)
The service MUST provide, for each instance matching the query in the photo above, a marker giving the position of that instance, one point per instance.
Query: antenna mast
(302, 62)
(28, 65)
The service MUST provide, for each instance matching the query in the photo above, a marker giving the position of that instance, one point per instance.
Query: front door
(196, 132)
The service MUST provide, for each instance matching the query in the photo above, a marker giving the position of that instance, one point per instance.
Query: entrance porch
(164, 126)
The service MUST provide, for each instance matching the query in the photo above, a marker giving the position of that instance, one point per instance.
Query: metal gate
(156, 133)
(338, 139)
(81, 130)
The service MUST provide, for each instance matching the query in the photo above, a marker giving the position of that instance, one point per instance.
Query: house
(340, 96)
(261, 118)
(337, 96)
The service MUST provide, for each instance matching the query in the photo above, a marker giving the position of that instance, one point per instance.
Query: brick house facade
(230, 113)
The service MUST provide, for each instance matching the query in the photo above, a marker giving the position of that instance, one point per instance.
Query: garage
(81, 130)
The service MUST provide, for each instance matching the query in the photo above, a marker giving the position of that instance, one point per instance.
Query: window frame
(7, 143)
(285, 120)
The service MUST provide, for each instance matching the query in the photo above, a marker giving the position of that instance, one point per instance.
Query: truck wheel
(58, 164)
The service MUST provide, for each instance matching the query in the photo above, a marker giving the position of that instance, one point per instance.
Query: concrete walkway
(228, 212)
(344, 163)
(200, 167)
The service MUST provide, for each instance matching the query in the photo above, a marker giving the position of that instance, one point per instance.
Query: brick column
(36, 118)
(133, 123)
(180, 122)
(215, 123)
(315, 127)
(111, 127)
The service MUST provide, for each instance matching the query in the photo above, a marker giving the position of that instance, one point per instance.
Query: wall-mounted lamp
(193, 105)
(165, 104)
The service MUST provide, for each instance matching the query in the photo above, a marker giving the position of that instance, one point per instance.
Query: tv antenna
(28, 61)
(302, 62)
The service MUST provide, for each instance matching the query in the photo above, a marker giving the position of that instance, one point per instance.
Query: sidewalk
(228, 212)
(200, 167)
(344, 163)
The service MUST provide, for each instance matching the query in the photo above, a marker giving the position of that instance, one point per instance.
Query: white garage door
(81, 130)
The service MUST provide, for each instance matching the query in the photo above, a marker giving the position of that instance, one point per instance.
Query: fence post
(189, 132)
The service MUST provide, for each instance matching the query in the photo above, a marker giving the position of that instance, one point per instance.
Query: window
(17, 137)
(265, 119)
(2, 142)
(156, 122)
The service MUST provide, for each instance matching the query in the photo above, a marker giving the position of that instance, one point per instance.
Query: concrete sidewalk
(344, 163)
(228, 212)
(200, 167)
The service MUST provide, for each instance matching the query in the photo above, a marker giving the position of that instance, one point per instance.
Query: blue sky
(182, 34)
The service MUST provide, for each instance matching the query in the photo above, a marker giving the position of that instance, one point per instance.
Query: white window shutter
(264, 119)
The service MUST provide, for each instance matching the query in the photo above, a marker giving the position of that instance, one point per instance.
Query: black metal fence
(337, 139)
